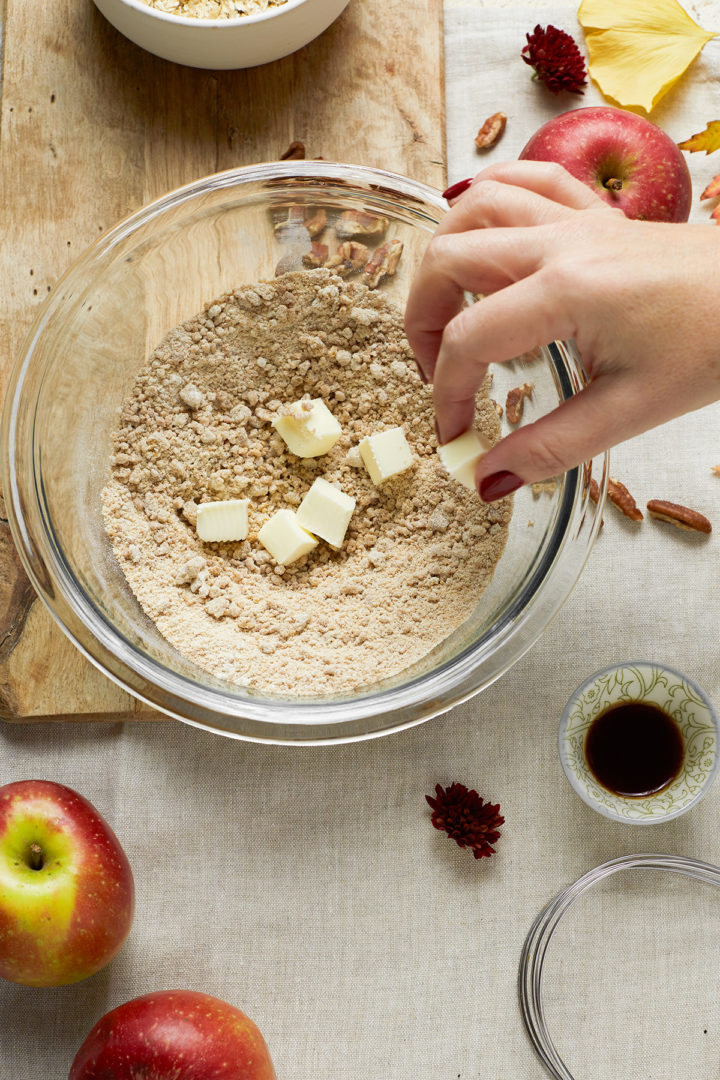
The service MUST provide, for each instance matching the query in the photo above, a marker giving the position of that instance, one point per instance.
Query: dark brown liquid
(634, 749)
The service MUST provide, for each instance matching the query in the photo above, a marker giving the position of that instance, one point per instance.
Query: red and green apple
(174, 1035)
(66, 888)
(629, 161)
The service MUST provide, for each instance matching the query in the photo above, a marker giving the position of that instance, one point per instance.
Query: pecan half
(515, 401)
(619, 495)
(314, 220)
(358, 223)
(382, 263)
(491, 131)
(316, 256)
(294, 152)
(682, 517)
(349, 258)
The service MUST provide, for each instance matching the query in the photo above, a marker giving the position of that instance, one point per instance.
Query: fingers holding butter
(553, 262)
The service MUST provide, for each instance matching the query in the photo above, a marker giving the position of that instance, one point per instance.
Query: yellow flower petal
(638, 49)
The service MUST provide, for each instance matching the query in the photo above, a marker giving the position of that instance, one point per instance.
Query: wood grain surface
(93, 127)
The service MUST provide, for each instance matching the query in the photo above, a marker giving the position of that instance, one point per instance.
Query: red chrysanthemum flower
(556, 59)
(466, 818)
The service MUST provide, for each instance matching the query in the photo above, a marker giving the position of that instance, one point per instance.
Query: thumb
(600, 416)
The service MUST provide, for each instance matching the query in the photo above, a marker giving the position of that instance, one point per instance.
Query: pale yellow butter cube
(386, 454)
(310, 429)
(326, 511)
(219, 522)
(284, 538)
(461, 456)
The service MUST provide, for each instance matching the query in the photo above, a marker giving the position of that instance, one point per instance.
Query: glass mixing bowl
(108, 312)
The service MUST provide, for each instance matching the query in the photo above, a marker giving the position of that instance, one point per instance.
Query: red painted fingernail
(498, 484)
(457, 189)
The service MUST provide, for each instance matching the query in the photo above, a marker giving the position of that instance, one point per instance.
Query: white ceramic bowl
(678, 696)
(244, 42)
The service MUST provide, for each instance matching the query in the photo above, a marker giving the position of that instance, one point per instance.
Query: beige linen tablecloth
(307, 886)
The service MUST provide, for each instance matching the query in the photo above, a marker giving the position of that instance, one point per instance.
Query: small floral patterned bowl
(678, 696)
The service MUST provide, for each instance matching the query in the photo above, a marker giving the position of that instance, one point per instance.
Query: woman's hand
(553, 261)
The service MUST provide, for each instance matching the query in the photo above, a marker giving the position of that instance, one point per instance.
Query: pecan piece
(294, 152)
(316, 256)
(682, 517)
(594, 493)
(316, 223)
(716, 469)
(619, 495)
(358, 223)
(541, 487)
(382, 263)
(349, 258)
(313, 219)
(491, 131)
(515, 401)
(295, 216)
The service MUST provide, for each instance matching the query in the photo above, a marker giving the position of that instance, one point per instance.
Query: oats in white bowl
(213, 9)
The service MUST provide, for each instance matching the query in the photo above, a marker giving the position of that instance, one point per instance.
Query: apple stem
(36, 857)
(613, 184)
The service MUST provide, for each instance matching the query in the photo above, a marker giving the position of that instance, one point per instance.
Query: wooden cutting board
(93, 127)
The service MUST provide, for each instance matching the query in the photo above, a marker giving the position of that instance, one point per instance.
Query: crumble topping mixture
(196, 427)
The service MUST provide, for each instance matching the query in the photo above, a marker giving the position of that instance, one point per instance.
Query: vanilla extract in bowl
(634, 749)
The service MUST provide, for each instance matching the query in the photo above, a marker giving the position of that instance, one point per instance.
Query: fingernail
(498, 484)
(457, 189)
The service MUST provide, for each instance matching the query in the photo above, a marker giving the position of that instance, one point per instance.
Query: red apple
(629, 162)
(174, 1035)
(66, 887)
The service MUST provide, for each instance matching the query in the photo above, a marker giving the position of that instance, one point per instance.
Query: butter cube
(222, 521)
(462, 455)
(310, 430)
(326, 511)
(284, 539)
(386, 454)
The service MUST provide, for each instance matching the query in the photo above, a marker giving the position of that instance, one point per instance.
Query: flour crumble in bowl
(221, 34)
(149, 386)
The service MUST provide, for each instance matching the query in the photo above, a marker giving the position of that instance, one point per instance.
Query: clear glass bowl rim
(534, 951)
(264, 720)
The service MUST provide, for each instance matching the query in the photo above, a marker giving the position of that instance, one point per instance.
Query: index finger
(506, 324)
(510, 217)
(481, 261)
(546, 179)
